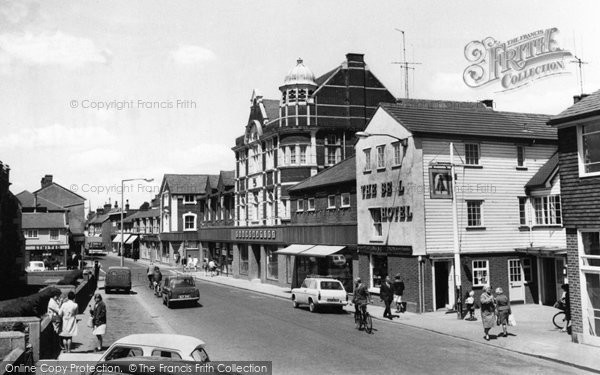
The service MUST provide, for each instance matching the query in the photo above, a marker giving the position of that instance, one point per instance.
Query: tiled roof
(272, 108)
(471, 122)
(213, 181)
(544, 173)
(153, 212)
(588, 106)
(43, 220)
(27, 199)
(322, 79)
(344, 171)
(228, 178)
(186, 183)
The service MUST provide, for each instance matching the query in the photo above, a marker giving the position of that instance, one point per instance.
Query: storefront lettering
(256, 234)
(399, 213)
(369, 191)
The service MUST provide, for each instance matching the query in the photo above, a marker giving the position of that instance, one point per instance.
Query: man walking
(387, 295)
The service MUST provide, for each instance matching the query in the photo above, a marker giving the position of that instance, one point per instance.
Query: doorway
(442, 270)
(256, 252)
(516, 286)
(549, 281)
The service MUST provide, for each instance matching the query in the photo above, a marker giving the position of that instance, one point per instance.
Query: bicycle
(363, 319)
(560, 318)
(157, 289)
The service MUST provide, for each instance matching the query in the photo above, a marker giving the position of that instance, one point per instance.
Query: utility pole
(579, 62)
(405, 64)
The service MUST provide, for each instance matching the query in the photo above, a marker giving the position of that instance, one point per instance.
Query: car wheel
(128, 290)
(107, 290)
(294, 303)
(311, 306)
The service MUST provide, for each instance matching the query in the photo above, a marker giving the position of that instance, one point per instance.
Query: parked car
(320, 291)
(180, 288)
(117, 278)
(35, 266)
(161, 345)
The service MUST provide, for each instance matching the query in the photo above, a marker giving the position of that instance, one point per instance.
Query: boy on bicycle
(361, 297)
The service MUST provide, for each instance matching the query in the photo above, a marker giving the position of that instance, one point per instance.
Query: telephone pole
(405, 64)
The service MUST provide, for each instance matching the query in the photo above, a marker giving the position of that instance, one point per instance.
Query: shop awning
(321, 250)
(543, 251)
(117, 238)
(131, 239)
(294, 249)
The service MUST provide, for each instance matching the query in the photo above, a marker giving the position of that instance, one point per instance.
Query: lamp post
(122, 208)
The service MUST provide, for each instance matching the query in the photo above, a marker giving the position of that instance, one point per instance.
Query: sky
(94, 92)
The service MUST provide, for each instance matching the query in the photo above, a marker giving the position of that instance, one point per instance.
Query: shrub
(32, 305)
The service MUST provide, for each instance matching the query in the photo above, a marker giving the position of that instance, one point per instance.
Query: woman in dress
(488, 308)
(68, 311)
(98, 313)
(503, 310)
(53, 310)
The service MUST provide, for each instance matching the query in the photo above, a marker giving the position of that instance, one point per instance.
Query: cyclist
(150, 274)
(156, 278)
(361, 297)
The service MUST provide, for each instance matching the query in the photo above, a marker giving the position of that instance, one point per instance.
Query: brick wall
(574, 282)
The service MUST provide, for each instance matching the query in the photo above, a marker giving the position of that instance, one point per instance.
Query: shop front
(53, 256)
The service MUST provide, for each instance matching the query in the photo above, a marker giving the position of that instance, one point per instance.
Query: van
(117, 278)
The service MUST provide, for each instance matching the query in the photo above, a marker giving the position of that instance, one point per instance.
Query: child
(470, 304)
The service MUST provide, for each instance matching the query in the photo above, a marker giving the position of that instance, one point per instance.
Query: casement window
(481, 271)
(474, 214)
(189, 198)
(376, 220)
(522, 210)
(311, 204)
(472, 154)
(333, 149)
(303, 155)
(54, 234)
(345, 199)
(547, 210)
(292, 150)
(367, 153)
(331, 201)
(521, 156)
(397, 153)
(31, 233)
(381, 157)
(189, 221)
(300, 205)
(589, 149)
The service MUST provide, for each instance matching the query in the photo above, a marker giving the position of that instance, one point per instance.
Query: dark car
(180, 288)
(117, 278)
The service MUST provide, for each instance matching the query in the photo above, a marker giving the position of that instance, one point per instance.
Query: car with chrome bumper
(319, 292)
(179, 289)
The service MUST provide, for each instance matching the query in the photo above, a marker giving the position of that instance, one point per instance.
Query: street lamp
(122, 207)
(363, 135)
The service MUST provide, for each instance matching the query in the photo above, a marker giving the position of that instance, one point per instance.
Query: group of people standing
(495, 310)
(390, 292)
(63, 313)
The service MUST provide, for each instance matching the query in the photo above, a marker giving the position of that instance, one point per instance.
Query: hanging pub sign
(440, 182)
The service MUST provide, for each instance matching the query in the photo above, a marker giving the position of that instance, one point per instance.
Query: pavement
(534, 335)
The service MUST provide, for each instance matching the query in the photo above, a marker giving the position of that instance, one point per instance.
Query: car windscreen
(183, 282)
(331, 285)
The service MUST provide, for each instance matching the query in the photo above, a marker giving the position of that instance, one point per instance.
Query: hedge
(32, 305)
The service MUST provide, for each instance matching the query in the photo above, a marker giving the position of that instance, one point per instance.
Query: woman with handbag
(488, 308)
(98, 317)
(503, 310)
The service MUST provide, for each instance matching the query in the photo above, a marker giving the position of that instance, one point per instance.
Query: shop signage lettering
(256, 234)
(399, 213)
(48, 247)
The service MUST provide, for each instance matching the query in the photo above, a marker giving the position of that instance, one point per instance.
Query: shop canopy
(117, 238)
(131, 239)
(310, 250)
(543, 251)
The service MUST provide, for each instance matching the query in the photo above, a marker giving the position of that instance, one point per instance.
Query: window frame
(342, 205)
(522, 160)
(310, 206)
(300, 205)
(467, 156)
(56, 237)
(481, 222)
(194, 221)
(580, 151)
(187, 201)
(397, 149)
(367, 154)
(377, 226)
(475, 270)
(551, 212)
(380, 157)
(31, 233)
(329, 205)
(523, 213)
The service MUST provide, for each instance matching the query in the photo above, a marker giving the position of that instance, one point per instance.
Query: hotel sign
(255, 234)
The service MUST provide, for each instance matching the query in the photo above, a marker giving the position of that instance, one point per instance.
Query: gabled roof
(213, 181)
(271, 108)
(185, 183)
(544, 174)
(322, 79)
(344, 171)
(61, 187)
(586, 107)
(27, 200)
(227, 178)
(471, 122)
(44, 220)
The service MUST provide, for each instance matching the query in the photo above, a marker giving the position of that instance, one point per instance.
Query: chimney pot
(46, 180)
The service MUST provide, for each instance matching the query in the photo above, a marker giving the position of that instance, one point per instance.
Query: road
(241, 325)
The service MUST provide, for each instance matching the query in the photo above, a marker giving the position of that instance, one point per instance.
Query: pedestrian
(386, 293)
(212, 267)
(398, 292)
(97, 267)
(98, 313)
(177, 256)
(150, 275)
(502, 310)
(488, 308)
(566, 301)
(68, 311)
(470, 305)
(184, 263)
(54, 311)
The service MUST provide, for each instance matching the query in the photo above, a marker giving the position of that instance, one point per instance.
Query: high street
(242, 325)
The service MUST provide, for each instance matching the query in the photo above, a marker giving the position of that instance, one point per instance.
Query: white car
(320, 291)
(35, 266)
(162, 345)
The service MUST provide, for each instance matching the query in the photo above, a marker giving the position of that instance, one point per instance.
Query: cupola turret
(296, 96)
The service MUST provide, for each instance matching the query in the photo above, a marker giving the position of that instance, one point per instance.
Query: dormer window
(189, 199)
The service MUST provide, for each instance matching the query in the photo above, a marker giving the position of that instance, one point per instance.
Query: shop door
(560, 278)
(256, 251)
(443, 283)
(516, 287)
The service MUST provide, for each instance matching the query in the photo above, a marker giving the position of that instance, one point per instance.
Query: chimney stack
(116, 204)
(356, 60)
(578, 98)
(46, 180)
(107, 206)
(127, 205)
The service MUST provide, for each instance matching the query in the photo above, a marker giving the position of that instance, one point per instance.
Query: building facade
(416, 221)
(46, 238)
(579, 149)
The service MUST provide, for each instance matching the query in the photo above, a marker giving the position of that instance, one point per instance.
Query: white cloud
(13, 11)
(56, 135)
(189, 54)
(202, 158)
(52, 49)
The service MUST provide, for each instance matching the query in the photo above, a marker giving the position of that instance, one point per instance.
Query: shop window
(526, 263)
(472, 155)
(346, 200)
(589, 149)
(272, 266)
(474, 214)
(331, 201)
(480, 273)
(289, 269)
(243, 260)
(379, 270)
(54, 234)
(547, 210)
